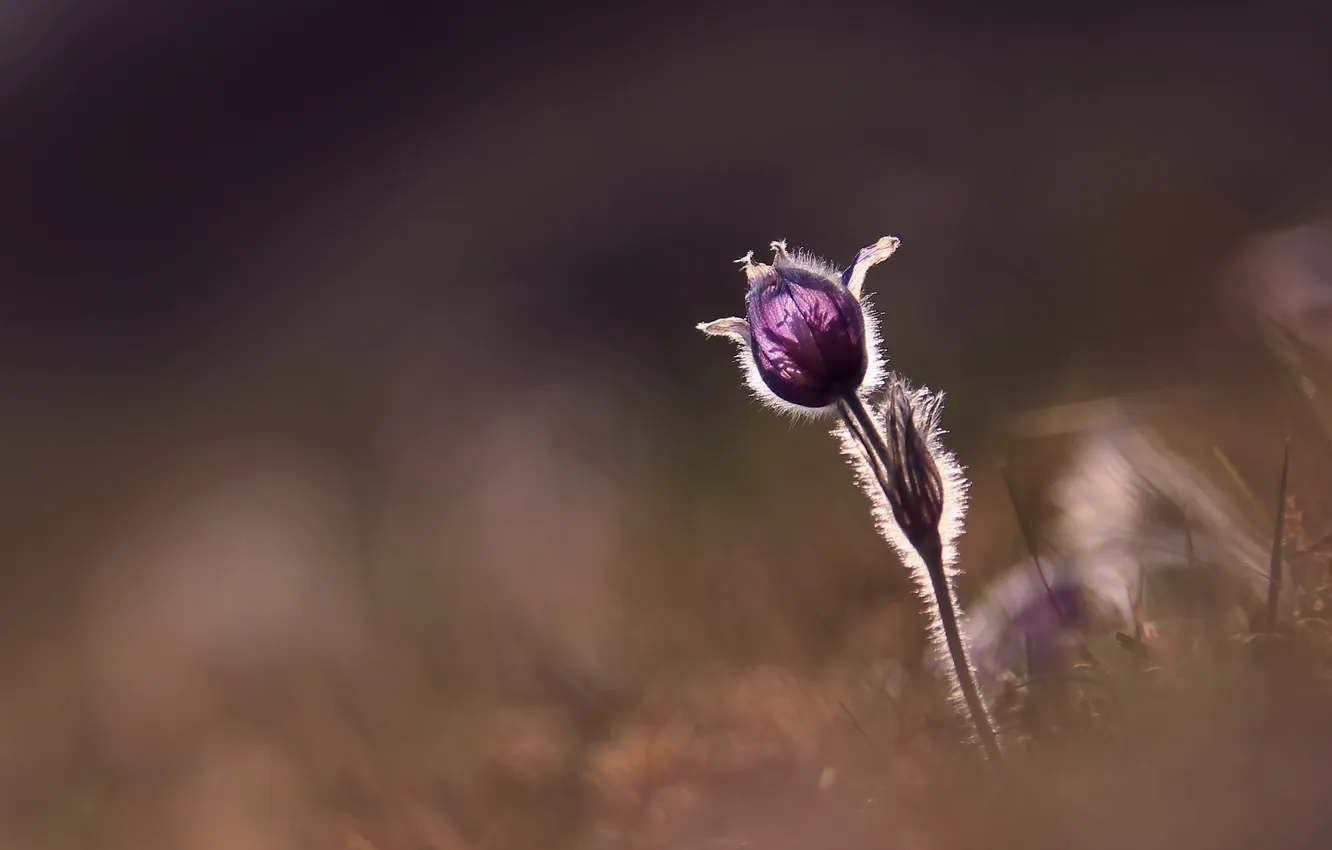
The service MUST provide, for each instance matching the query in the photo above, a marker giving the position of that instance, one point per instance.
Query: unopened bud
(808, 335)
(916, 493)
(805, 333)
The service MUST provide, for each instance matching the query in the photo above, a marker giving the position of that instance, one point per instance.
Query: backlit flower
(807, 339)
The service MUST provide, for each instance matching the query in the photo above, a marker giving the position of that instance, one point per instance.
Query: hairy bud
(916, 491)
(807, 334)
(808, 340)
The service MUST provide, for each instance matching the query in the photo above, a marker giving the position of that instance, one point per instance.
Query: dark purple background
(276, 221)
(169, 169)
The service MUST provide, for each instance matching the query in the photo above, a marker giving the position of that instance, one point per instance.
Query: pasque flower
(807, 334)
(809, 345)
(807, 339)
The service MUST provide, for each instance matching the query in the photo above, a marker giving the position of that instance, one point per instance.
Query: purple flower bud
(807, 341)
(807, 334)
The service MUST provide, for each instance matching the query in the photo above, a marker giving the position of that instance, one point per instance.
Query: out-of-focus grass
(1242, 486)
(571, 643)
(729, 690)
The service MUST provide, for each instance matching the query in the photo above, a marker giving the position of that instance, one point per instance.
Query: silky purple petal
(808, 335)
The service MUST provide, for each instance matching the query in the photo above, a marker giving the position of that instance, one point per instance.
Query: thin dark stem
(1278, 539)
(1030, 544)
(932, 554)
(867, 433)
(1137, 602)
(1283, 353)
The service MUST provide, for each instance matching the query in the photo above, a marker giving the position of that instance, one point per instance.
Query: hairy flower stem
(957, 651)
(867, 433)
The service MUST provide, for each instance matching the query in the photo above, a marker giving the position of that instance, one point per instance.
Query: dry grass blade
(1241, 484)
(1278, 535)
(1284, 354)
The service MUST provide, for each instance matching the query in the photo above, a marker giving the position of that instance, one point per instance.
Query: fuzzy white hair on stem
(926, 408)
(917, 490)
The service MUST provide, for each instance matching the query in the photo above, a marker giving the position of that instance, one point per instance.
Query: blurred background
(364, 482)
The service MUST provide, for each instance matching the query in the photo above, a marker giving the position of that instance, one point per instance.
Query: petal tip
(854, 277)
(732, 327)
